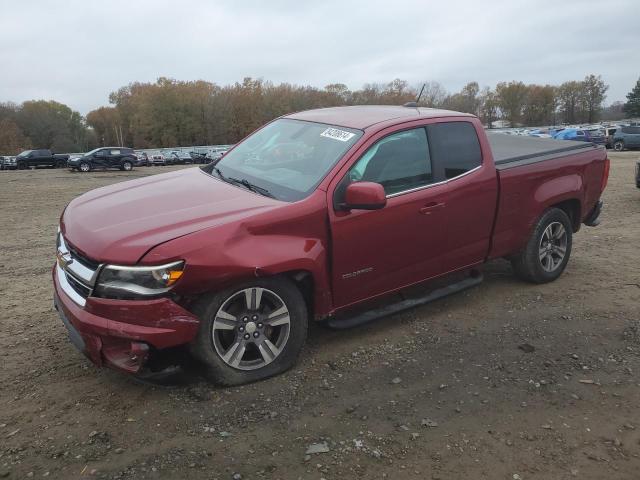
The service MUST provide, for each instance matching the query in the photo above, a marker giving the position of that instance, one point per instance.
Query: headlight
(117, 281)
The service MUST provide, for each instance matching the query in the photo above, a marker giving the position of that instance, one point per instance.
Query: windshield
(92, 151)
(25, 153)
(287, 158)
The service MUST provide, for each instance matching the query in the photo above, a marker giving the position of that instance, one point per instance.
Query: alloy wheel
(553, 246)
(251, 328)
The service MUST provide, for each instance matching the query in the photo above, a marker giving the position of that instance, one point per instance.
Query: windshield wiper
(245, 183)
(252, 186)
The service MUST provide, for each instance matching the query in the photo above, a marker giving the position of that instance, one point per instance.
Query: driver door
(377, 251)
(100, 159)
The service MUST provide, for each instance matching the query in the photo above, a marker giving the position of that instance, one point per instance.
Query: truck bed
(513, 150)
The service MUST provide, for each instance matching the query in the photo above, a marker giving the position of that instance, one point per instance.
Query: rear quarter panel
(526, 191)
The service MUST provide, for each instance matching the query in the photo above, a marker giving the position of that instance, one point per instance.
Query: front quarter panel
(287, 239)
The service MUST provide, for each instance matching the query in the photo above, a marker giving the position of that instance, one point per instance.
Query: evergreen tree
(632, 107)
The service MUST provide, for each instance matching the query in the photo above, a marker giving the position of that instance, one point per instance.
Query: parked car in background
(311, 216)
(626, 137)
(104, 158)
(177, 158)
(142, 159)
(580, 135)
(608, 135)
(157, 159)
(217, 154)
(199, 157)
(9, 163)
(40, 158)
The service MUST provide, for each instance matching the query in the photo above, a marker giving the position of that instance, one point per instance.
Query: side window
(101, 153)
(398, 162)
(114, 152)
(580, 133)
(455, 148)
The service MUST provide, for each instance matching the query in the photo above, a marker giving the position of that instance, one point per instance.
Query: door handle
(430, 207)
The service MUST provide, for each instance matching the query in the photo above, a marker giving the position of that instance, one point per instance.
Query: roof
(365, 116)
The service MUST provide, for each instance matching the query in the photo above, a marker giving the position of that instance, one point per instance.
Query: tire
(254, 350)
(618, 146)
(543, 261)
(61, 163)
(84, 167)
(127, 166)
(22, 166)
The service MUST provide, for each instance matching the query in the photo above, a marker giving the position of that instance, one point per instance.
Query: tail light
(605, 174)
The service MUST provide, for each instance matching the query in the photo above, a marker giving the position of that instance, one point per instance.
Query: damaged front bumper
(121, 334)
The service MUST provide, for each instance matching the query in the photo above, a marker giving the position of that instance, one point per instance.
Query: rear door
(472, 192)
(375, 251)
(114, 158)
(634, 137)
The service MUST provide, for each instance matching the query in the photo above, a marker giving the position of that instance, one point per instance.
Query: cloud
(77, 52)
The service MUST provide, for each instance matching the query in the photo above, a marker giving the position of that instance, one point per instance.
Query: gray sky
(78, 51)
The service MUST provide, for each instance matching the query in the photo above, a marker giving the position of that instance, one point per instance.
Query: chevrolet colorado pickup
(326, 214)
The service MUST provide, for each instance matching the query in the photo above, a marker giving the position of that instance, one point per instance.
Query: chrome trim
(411, 190)
(82, 273)
(143, 268)
(74, 267)
(67, 288)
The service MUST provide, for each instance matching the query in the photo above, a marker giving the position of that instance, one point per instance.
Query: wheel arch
(573, 208)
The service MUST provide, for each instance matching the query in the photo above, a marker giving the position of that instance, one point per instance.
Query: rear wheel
(548, 249)
(251, 332)
(84, 167)
(618, 146)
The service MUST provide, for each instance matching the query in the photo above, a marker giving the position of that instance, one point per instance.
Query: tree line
(170, 113)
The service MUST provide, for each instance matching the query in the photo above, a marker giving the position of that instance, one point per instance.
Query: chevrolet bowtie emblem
(64, 259)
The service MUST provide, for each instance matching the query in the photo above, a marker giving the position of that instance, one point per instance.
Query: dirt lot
(443, 391)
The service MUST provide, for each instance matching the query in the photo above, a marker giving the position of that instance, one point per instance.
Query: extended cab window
(398, 162)
(455, 148)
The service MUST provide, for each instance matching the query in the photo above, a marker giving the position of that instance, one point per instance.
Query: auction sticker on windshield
(337, 134)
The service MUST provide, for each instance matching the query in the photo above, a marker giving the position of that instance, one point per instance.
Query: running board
(342, 323)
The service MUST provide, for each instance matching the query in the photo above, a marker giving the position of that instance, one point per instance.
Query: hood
(121, 222)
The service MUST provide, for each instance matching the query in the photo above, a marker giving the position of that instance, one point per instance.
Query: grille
(87, 262)
(79, 287)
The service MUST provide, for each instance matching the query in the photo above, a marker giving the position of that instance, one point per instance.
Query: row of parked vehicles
(617, 137)
(108, 157)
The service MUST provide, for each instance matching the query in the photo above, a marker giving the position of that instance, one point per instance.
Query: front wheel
(618, 146)
(22, 165)
(84, 167)
(548, 249)
(251, 332)
(127, 166)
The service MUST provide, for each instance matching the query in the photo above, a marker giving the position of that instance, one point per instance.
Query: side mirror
(364, 196)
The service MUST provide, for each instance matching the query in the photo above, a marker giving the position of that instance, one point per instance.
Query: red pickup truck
(325, 214)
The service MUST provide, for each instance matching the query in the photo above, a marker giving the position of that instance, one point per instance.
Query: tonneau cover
(515, 148)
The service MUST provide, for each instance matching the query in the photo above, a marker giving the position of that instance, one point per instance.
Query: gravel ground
(504, 381)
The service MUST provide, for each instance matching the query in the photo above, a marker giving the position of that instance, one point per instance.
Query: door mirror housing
(364, 196)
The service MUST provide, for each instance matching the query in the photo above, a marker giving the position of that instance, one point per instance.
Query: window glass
(455, 148)
(101, 153)
(398, 162)
(287, 158)
(114, 152)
